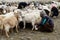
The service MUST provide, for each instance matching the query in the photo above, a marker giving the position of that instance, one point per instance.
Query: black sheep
(22, 5)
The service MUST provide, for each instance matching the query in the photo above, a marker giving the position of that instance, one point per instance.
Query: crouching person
(46, 24)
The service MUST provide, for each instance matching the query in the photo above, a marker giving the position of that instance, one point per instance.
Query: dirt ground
(28, 34)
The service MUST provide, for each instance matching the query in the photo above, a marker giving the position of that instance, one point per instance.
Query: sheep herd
(36, 13)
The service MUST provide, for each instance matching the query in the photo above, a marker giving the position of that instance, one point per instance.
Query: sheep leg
(33, 25)
(17, 27)
(36, 27)
(7, 30)
(2, 30)
(24, 25)
(6, 34)
(12, 30)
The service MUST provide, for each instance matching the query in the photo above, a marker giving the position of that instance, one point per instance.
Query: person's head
(42, 14)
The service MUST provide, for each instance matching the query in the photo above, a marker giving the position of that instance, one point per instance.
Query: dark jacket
(46, 19)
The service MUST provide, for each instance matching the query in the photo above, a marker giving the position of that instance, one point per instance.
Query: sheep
(1, 23)
(31, 17)
(22, 5)
(10, 21)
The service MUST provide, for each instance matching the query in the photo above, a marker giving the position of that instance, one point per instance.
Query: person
(54, 10)
(46, 23)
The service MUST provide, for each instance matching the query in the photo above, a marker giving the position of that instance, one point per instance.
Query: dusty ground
(28, 34)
